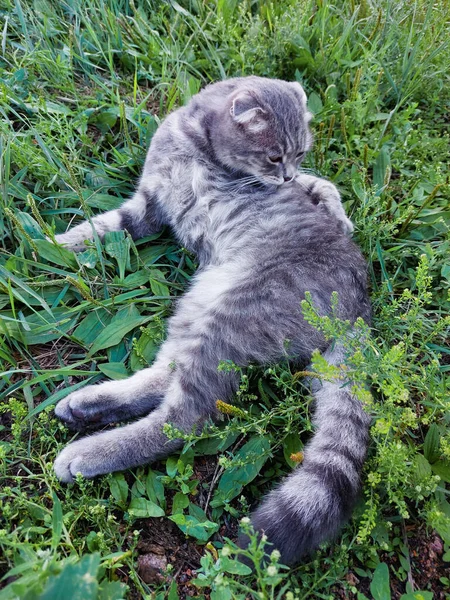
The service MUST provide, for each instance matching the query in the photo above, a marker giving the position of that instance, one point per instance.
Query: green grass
(83, 85)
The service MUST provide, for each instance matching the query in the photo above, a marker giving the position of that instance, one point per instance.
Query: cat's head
(263, 130)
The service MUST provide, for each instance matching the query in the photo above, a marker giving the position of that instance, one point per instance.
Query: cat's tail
(312, 504)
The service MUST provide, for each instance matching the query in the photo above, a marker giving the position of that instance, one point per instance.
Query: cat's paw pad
(69, 241)
(81, 409)
(326, 195)
(75, 458)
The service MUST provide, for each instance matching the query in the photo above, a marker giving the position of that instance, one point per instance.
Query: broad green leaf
(103, 202)
(417, 596)
(254, 453)
(31, 227)
(88, 258)
(138, 489)
(56, 254)
(172, 466)
(291, 445)
(57, 521)
(197, 512)
(189, 525)
(117, 245)
(226, 8)
(423, 467)
(56, 108)
(117, 353)
(122, 323)
(379, 586)
(136, 279)
(180, 502)
(76, 581)
(224, 593)
(382, 163)
(213, 445)
(151, 254)
(90, 327)
(431, 444)
(445, 272)
(314, 100)
(158, 283)
(39, 327)
(442, 468)
(146, 347)
(154, 487)
(233, 566)
(114, 370)
(112, 590)
(142, 508)
(103, 118)
(118, 487)
(173, 593)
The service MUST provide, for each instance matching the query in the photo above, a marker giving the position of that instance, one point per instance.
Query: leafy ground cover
(83, 87)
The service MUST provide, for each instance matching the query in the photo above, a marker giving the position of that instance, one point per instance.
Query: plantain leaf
(118, 247)
(114, 370)
(379, 587)
(90, 327)
(158, 283)
(57, 255)
(40, 327)
(292, 444)
(155, 488)
(442, 468)
(76, 581)
(380, 168)
(190, 525)
(118, 487)
(180, 502)
(252, 455)
(141, 508)
(122, 323)
(431, 444)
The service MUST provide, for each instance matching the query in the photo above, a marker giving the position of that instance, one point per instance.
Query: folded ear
(303, 100)
(245, 107)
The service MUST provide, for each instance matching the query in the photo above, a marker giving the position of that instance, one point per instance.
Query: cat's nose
(287, 178)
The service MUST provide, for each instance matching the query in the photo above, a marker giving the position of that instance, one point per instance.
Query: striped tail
(311, 505)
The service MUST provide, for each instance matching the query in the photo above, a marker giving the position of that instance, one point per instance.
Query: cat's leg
(190, 401)
(326, 194)
(112, 401)
(140, 216)
(202, 339)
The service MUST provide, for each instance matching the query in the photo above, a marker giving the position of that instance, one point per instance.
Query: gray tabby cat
(222, 172)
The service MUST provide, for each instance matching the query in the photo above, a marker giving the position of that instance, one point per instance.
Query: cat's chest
(208, 217)
(190, 197)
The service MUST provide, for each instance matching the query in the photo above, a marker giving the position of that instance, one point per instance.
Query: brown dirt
(427, 568)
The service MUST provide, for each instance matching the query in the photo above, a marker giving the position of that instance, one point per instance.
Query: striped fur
(222, 172)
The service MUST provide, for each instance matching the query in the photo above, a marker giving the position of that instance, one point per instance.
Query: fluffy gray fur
(223, 173)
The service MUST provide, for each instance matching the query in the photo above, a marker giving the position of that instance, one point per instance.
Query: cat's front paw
(84, 408)
(83, 456)
(325, 195)
(70, 241)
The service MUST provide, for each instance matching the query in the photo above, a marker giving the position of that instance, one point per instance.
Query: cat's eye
(300, 155)
(275, 159)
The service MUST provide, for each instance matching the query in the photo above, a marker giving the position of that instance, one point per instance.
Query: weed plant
(83, 86)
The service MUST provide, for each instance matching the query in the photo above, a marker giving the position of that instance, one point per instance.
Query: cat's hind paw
(84, 456)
